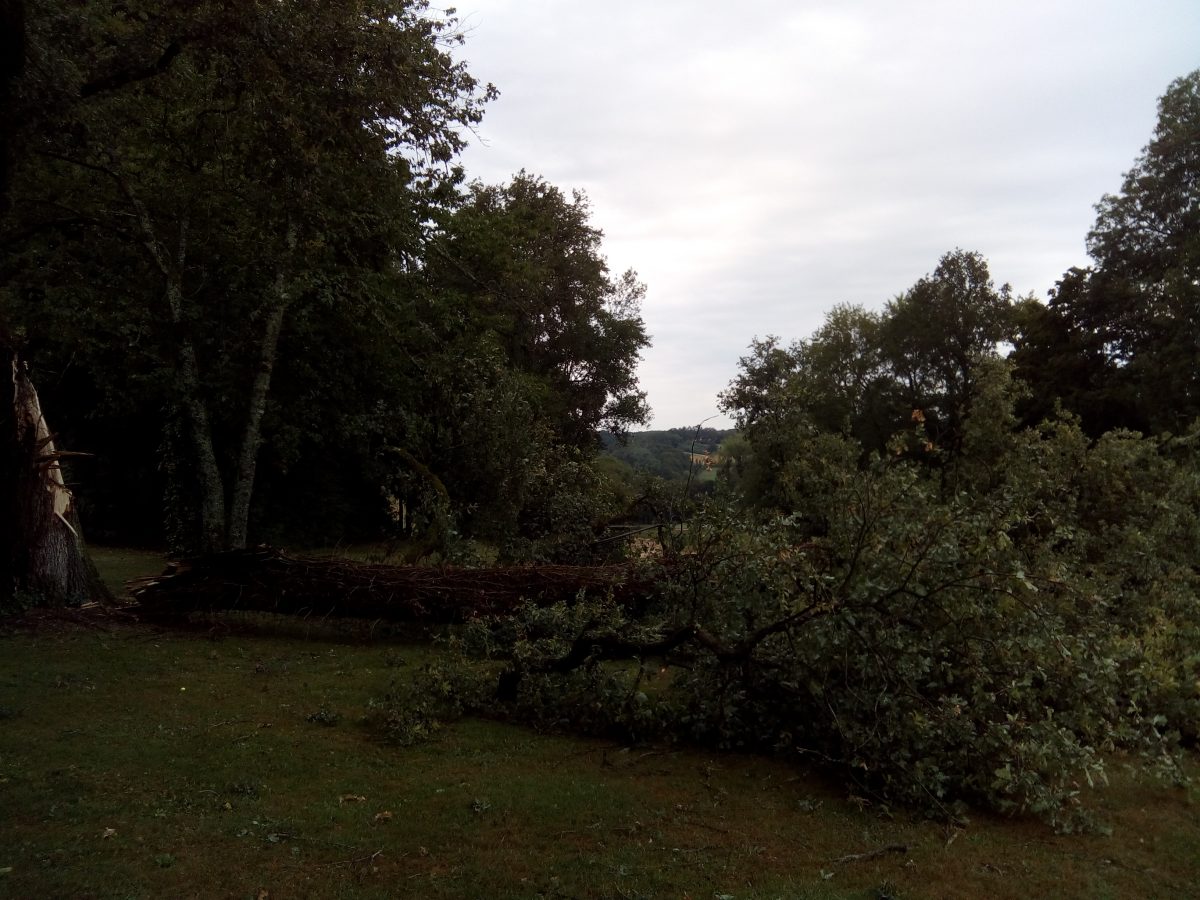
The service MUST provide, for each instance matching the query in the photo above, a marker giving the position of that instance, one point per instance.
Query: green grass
(119, 564)
(144, 763)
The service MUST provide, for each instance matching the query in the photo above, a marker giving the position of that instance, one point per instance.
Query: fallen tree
(268, 580)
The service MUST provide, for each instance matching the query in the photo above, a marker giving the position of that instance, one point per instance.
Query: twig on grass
(246, 737)
(365, 860)
(279, 837)
(871, 854)
(694, 824)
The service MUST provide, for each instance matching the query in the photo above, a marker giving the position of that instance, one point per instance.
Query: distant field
(136, 762)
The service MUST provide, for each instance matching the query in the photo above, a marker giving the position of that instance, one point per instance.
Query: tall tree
(527, 260)
(934, 335)
(866, 376)
(13, 539)
(290, 157)
(42, 559)
(1133, 319)
(772, 404)
(533, 349)
(1146, 246)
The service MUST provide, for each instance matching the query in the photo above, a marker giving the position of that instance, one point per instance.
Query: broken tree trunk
(44, 550)
(267, 580)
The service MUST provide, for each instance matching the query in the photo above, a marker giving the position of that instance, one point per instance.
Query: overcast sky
(758, 162)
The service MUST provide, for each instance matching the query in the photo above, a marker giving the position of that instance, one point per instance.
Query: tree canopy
(526, 261)
(239, 251)
(867, 376)
(1118, 342)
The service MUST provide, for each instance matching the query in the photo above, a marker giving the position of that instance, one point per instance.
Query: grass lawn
(136, 762)
(120, 564)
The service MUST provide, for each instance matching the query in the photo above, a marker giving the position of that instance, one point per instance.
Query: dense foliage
(924, 569)
(675, 454)
(244, 265)
(1117, 342)
(987, 643)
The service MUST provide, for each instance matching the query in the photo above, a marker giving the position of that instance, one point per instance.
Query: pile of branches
(267, 580)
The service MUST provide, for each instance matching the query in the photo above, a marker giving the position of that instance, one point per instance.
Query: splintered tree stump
(267, 580)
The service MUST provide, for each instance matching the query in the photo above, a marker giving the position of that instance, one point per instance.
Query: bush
(414, 711)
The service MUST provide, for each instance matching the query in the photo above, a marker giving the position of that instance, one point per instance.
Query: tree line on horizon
(1116, 344)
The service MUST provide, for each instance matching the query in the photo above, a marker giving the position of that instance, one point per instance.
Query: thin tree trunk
(11, 533)
(239, 513)
(212, 488)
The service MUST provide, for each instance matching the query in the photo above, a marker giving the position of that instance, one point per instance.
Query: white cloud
(758, 164)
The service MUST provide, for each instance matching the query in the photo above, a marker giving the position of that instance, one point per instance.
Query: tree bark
(11, 533)
(212, 487)
(45, 553)
(243, 488)
(270, 581)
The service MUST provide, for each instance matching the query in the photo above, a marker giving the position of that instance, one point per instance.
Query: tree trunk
(11, 533)
(171, 265)
(243, 488)
(239, 510)
(44, 549)
(212, 488)
(268, 580)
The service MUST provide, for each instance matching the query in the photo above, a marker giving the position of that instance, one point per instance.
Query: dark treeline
(252, 281)
(285, 315)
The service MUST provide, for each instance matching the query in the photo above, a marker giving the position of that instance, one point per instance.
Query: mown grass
(120, 564)
(145, 763)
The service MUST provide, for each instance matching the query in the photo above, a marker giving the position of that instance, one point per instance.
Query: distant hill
(668, 454)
